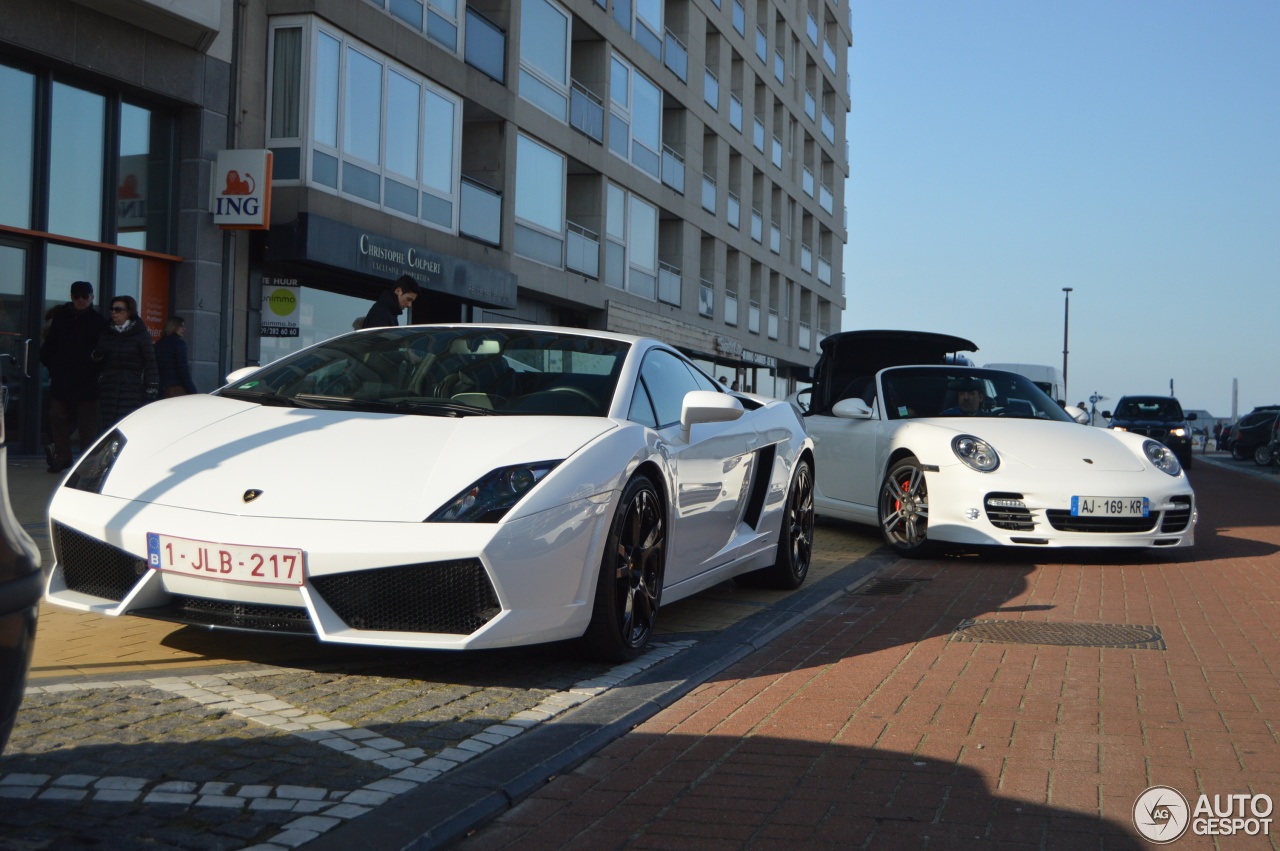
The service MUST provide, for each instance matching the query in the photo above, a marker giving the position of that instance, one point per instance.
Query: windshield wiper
(267, 398)
(451, 409)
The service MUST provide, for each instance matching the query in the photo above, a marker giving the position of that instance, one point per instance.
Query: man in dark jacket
(391, 303)
(73, 376)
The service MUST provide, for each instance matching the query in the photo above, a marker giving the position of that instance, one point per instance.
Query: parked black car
(20, 587)
(1251, 436)
(1159, 418)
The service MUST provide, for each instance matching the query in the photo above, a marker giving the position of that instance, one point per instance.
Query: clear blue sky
(1001, 150)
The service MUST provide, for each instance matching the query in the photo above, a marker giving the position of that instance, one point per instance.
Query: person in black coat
(391, 303)
(171, 359)
(67, 351)
(129, 378)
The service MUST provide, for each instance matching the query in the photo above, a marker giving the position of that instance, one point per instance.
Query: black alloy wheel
(629, 589)
(904, 509)
(795, 539)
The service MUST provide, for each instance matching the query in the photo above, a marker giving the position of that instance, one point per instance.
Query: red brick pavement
(866, 726)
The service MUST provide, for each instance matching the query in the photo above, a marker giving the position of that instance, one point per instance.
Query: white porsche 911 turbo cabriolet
(449, 487)
(932, 450)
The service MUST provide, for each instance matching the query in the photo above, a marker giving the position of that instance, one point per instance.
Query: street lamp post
(1066, 325)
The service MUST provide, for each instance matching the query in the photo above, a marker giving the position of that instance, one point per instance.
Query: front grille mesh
(94, 567)
(222, 614)
(452, 597)
(1061, 519)
(1176, 519)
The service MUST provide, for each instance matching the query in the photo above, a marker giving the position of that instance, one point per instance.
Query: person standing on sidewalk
(386, 311)
(129, 376)
(172, 361)
(73, 377)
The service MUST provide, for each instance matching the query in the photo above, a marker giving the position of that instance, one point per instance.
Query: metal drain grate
(889, 587)
(1127, 636)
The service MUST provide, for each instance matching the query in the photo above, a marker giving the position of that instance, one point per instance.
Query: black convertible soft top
(853, 356)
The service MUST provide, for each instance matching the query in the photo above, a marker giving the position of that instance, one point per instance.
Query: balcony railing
(811, 28)
(486, 46)
(586, 111)
(668, 284)
(676, 56)
(824, 270)
(706, 298)
(735, 112)
(828, 127)
(757, 225)
(708, 193)
(806, 258)
(803, 341)
(776, 152)
(753, 317)
(739, 18)
(773, 324)
(807, 181)
(810, 105)
(829, 54)
(762, 45)
(822, 335)
(480, 212)
(730, 308)
(757, 134)
(672, 169)
(582, 250)
(825, 199)
(779, 67)
(775, 237)
(711, 90)
(733, 215)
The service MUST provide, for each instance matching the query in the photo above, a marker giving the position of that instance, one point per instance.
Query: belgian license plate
(233, 562)
(1110, 506)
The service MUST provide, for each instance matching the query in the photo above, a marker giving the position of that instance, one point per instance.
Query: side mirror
(1191, 416)
(1106, 414)
(852, 409)
(242, 372)
(1080, 415)
(707, 406)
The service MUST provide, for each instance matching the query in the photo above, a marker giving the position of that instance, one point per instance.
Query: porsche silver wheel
(904, 509)
(629, 589)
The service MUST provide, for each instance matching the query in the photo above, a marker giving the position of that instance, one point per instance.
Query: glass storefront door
(19, 352)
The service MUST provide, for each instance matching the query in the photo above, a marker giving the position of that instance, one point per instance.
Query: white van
(1047, 378)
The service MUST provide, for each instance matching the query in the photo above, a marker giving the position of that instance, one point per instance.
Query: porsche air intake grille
(1007, 511)
(1061, 519)
(221, 614)
(453, 597)
(1176, 519)
(93, 567)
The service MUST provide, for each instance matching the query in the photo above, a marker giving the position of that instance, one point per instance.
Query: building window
(17, 145)
(341, 97)
(442, 18)
(544, 56)
(631, 246)
(540, 202)
(635, 118)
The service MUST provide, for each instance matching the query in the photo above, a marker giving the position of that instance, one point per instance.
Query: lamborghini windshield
(445, 371)
(952, 391)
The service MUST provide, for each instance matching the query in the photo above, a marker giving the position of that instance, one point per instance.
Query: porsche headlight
(493, 495)
(975, 453)
(1162, 456)
(90, 474)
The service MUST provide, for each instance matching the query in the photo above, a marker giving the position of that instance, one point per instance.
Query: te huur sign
(242, 190)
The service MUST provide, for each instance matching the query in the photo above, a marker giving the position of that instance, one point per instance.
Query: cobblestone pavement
(135, 733)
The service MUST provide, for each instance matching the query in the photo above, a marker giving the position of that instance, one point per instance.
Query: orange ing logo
(237, 185)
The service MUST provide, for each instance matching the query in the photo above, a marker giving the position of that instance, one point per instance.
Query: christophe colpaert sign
(242, 190)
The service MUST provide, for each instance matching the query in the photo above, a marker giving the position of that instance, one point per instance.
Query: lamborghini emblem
(252, 494)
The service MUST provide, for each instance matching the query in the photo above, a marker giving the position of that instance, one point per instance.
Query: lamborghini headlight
(90, 474)
(975, 453)
(1162, 456)
(493, 495)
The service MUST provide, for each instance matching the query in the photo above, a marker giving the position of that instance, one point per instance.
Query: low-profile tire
(1262, 456)
(795, 540)
(904, 509)
(629, 589)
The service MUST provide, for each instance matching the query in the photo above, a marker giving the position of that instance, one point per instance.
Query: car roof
(850, 355)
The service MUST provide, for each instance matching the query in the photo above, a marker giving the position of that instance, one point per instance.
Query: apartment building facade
(673, 168)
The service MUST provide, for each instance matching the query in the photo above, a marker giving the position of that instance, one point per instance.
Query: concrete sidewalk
(877, 724)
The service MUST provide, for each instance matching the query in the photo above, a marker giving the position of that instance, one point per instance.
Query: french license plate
(1110, 506)
(233, 562)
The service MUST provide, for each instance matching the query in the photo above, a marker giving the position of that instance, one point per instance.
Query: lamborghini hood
(206, 453)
